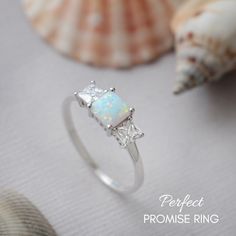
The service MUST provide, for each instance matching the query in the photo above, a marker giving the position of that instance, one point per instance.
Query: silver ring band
(129, 145)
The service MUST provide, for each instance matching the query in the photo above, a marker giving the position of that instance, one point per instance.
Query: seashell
(116, 33)
(205, 35)
(19, 217)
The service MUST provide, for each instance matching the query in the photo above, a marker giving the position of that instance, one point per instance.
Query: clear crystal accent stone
(91, 93)
(127, 133)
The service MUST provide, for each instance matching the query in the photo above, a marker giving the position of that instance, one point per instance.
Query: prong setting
(111, 112)
(89, 109)
(109, 130)
(79, 100)
(132, 110)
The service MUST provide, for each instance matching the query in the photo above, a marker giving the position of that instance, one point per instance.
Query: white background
(189, 145)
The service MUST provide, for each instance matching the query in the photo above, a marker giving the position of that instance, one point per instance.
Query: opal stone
(110, 109)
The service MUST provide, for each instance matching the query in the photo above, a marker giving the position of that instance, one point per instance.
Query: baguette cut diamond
(110, 109)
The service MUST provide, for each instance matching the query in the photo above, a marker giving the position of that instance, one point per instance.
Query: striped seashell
(112, 33)
(205, 35)
(18, 217)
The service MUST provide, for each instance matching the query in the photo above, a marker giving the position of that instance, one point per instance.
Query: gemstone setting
(110, 109)
(111, 112)
(127, 133)
(91, 93)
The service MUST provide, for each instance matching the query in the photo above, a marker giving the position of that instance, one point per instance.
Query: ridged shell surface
(112, 33)
(205, 34)
(19, 217)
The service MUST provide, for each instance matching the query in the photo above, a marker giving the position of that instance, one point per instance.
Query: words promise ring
(116, 117)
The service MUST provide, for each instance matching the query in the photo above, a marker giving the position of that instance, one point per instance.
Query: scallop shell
(205, 35)
(18, 217)
(112, 33)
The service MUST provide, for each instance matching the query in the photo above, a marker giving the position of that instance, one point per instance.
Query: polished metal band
(82, 150)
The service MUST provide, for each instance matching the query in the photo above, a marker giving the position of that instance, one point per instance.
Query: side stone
(127, 133)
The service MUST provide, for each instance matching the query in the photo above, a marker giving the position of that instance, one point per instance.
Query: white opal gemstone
(110, 109)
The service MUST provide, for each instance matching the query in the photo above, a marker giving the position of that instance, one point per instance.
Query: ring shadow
(221, 97)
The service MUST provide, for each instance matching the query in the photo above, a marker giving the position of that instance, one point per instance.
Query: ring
(116, 117)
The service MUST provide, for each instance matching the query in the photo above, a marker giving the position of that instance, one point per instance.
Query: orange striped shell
(112, 33)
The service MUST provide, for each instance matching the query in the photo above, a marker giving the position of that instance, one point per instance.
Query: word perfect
(170, 201)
